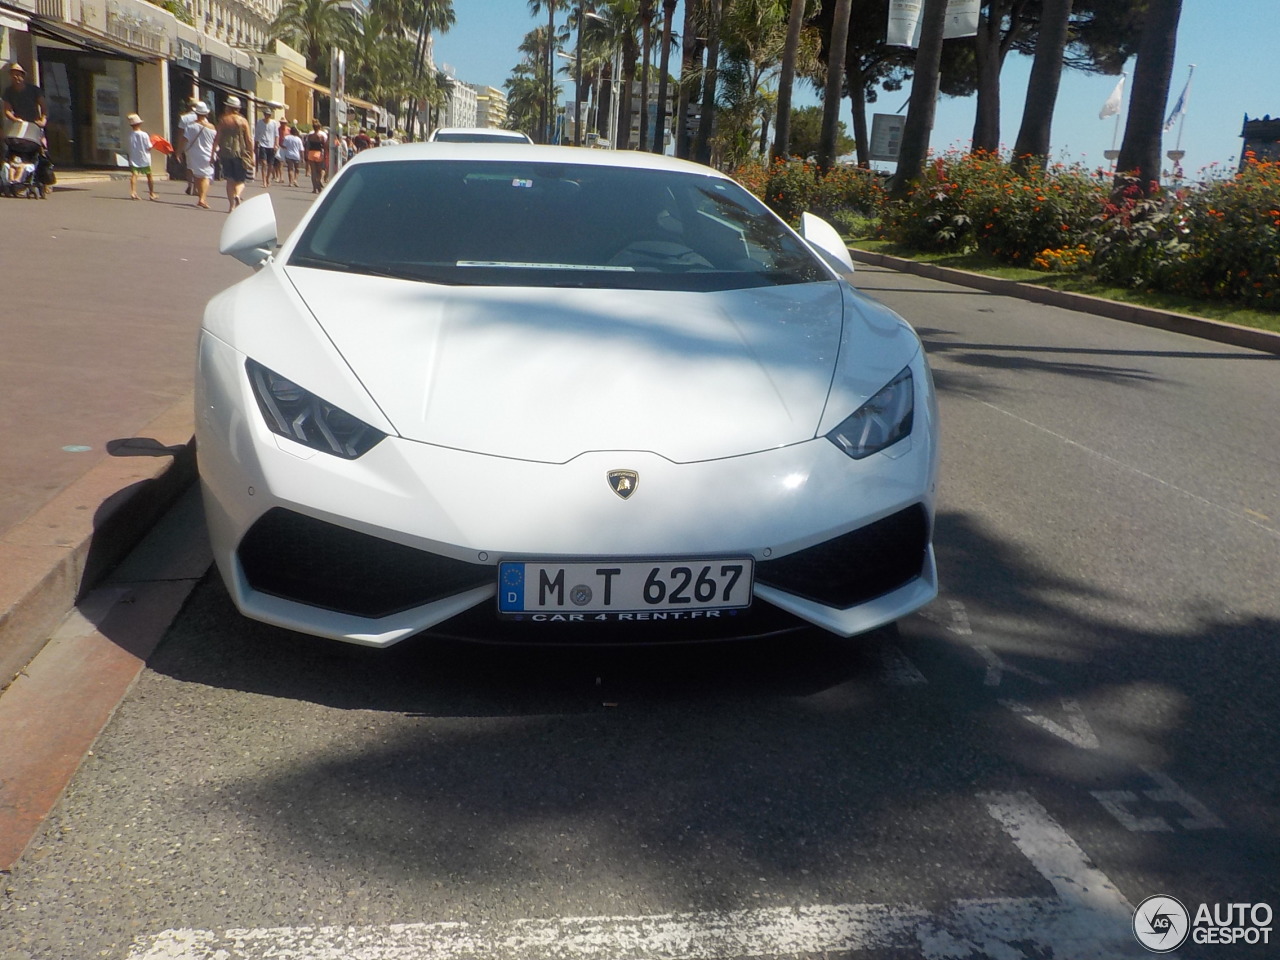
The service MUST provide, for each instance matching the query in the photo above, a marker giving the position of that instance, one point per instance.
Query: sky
(1231, 42)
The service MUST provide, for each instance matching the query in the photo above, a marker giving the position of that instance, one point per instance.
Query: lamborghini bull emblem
(623, 482)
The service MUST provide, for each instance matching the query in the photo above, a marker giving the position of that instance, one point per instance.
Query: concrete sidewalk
(97, 342)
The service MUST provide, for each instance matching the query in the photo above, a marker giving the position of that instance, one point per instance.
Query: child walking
(139, 158)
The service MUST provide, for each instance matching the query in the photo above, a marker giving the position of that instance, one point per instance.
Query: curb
(1216, 330)
(53, 558)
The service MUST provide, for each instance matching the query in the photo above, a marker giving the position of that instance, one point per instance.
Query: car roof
(533, 153)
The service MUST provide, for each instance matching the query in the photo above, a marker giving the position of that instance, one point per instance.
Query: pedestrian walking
(179, 155)
(139, 158)
(266, 137)
(317, 147)
(233, 146)
(198, 149)
(291, 153)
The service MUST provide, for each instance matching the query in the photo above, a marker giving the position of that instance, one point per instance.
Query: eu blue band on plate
(511, 587)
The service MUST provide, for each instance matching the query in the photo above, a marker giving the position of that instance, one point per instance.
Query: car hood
(547, 374)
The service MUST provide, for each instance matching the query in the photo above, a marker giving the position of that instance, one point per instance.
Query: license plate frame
(598, 588)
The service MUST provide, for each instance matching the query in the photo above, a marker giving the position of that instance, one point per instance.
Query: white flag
(1112, 106)
(904, 22)
(962, 19)
(1180, 108)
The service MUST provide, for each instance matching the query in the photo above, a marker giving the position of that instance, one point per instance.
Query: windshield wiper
(426, 273)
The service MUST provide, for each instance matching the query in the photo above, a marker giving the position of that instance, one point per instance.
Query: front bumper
(409, 536)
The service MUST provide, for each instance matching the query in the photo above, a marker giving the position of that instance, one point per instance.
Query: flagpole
(1186, 98)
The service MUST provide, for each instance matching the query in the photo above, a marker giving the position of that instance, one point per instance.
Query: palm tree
(668, 14)
(690, 56)
(786, 79)
(550, 6)
(646, 26)
(312, 27)
(702, 143)
(835, 80)
(752, 39)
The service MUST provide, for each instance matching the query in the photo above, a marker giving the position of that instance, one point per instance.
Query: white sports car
(556, 395)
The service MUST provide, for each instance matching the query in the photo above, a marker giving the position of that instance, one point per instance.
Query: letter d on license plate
(628, 586)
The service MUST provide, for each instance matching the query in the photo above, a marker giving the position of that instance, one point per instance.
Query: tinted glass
(519, 223)
(477, 138)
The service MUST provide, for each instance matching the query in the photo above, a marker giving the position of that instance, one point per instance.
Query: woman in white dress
(199, 152)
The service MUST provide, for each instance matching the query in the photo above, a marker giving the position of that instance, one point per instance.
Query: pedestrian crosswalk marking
(1086, 918)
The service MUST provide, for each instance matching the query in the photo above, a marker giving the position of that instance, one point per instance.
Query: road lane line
(1089, 919)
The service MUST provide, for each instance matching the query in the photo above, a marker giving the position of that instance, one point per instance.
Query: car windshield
(540, 224)
(466, 136)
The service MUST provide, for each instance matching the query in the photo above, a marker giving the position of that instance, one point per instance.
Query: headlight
(880, 422)
(293, 412)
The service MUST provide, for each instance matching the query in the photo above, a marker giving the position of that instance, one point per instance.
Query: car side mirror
(249, 233)
(826, 240)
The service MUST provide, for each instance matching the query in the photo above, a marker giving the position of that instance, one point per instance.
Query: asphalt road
(1087, 717)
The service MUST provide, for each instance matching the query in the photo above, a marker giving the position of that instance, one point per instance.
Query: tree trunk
(549, 106)
(628, 80)
(786, 79)
(1140, 149)
(991, 47)
(646, 25)
(659, 135)
(924, 100)
(858, 104)
(702, 145)
(831, 95)
(1031, 149)
(690, 54)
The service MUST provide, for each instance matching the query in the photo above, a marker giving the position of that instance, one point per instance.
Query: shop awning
(65, 34)
(362, 104)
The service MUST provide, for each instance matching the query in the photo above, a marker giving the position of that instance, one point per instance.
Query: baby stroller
(23, 173)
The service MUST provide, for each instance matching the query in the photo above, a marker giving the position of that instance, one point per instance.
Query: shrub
(1230, 239)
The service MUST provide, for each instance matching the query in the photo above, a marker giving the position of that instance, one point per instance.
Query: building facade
(460, 106)
(491, 106)
(97, 61)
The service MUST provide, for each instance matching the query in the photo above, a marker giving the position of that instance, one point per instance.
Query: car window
(520, 223)
(478, 137)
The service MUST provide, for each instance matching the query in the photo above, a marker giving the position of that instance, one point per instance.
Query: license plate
(628, 586)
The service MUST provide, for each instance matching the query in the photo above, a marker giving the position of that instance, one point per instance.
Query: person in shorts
(139, 158)
(233, 145)
(266, 139)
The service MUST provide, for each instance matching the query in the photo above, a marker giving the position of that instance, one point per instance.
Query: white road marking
(1088, 919)
(997, 668)
(1116, 803)
(1202, 818)
(1080, 733)
(955, 620)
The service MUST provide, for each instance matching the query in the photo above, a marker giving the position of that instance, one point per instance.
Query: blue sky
(1232, 44)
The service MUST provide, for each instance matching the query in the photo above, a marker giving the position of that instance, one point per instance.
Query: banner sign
(886, 136)
(905, 17)
(962, 19)
(904, 22)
